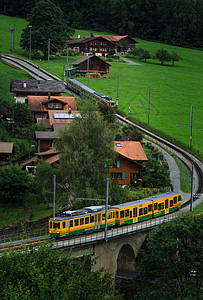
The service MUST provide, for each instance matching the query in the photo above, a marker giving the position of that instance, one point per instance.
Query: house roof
(52, 86)
(61, 117)
(53, 159)
(83, 40)
(27, 162)
(116, 39)
(35, 103)
(44, 135)
(85, 58)
(52, 151)
(6, 147)
(131, 150)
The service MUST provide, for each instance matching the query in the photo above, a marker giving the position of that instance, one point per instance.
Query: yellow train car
(76, 222)
(147, 208)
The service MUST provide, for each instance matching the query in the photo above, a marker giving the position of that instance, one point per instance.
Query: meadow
(173, 89)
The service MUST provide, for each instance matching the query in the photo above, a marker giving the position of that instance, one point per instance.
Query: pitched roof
(35, 102)
(44, 135)
(116, 39)
(61, 117)
(131, 150)
(83, 40)
(52, 151)
(6, 147)
(85, 58)
(27, 162)
(53, 159)
(52, 86)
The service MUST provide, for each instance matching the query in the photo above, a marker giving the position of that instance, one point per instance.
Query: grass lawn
(172, 89)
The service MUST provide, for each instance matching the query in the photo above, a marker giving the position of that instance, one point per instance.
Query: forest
(176, 22)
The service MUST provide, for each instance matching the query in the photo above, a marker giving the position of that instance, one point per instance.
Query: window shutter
(123, 176)
(105, 165)
(118, 164)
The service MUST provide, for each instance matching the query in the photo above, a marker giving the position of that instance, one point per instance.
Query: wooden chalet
(127, 166)
(101, 45)
(6, 149)
(22, 88)
(96, 67)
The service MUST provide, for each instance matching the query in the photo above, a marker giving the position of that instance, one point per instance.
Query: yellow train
(92, 218)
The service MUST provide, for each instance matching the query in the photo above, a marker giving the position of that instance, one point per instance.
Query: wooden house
(6, 149)
(22, 88)
(128, 164)
(96, 67)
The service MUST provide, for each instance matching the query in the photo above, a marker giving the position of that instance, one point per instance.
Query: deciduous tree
(163, 55)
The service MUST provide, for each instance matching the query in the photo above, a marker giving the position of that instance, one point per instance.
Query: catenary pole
(149, 106)
(191, 125)
(192, 179)
(106, 210)
(48, 51)
(30, 26)
(54, 196)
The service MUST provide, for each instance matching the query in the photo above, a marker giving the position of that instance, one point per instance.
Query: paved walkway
(174, 172)
(129, 61)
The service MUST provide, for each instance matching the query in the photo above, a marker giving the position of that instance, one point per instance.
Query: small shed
(6, 149)
(94, 65)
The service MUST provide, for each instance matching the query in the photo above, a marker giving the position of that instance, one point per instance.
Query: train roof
(81, 85)
(145, 200)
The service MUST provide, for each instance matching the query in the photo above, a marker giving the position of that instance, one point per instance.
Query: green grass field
(172, 88)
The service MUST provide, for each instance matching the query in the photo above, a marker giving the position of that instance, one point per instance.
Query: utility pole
(48, 51)
(192, 179)
(54, 195)
(13, 36)
(149, 106)
(191, 125)
(67, 62)
(30, 26)
(11, 29)
(117, 90)
(88, 62)
(106, 207)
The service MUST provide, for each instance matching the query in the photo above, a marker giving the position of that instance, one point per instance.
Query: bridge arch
(126, 260)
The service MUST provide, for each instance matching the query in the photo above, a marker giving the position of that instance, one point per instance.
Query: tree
(175, 57)
(43, 273)
(172, 250)
(15, 184)
(22, 116)
(132, 133)
(47, 22)
(163, 55)
(85, 149)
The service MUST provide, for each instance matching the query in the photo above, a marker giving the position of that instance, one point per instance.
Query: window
(105, 165)
(159, 206)
(113, 214)
(122, 214)
(118, 145)
(64, 224)
(50, 224)
(54, 105)
(56, 225)
(145, 210)
(91, 219)
(171, 203)
(103, 217)
(87, 220)
(149, 207)
(155, 206)
(109, 216)
(140, 211)
(117, 164)
(179, 198)
(76, 222)
(71, 223)
(116, 214)
(82, 221)
(134, 212)
(175, 200)
(123, 176)
(131, 214)
(127, 213)
(166, 203)
(117, 176)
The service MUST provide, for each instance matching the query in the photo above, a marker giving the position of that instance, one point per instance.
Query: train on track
(92, 218)
(84, 91)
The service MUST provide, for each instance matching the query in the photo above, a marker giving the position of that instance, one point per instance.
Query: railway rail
(37, 73)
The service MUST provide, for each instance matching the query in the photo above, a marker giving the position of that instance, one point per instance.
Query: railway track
(37, 73)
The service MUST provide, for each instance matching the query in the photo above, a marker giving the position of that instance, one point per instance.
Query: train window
(76, 222)
(179, 198)
(87, 220)
(175, 200)
(71, 223)
(159, 206)
(113, 214)
(149, 207)
(82, 221)
(171, 203)
(131, 214)
(109, 216)
(116, 214)
(166, 203)
(103, 217)
(162, 205)
(134, 212)
(56, 225)
(91, 219)
(155, 206)
(127, 213)
(145, 210)
(140, 211)
(122, 214)
(50, 224)
(64, 224)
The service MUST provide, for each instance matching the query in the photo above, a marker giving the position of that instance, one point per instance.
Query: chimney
(38, 84)
(49, 95)
(24, 84)
(78, 36)
(69, 110)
